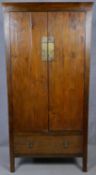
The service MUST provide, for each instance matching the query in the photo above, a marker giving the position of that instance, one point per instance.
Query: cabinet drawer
(47, 145)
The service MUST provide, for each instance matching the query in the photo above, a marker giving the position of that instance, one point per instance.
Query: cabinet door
(66, 70)
(29, 72)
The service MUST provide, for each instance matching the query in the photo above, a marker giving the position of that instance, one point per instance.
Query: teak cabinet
(48, 53)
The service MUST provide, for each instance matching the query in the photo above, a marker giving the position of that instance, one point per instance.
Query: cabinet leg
(85, 164)
(12, 163)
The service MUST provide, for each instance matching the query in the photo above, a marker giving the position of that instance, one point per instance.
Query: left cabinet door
(28, 71)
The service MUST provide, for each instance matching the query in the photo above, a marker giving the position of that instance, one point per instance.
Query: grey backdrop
(3, 84)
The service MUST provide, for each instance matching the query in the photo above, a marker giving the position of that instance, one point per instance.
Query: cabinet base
(12, 160)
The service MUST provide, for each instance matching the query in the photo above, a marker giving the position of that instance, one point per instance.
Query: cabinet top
(47, 6)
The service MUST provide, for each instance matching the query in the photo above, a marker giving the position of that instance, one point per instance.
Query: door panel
(29, 72)
(66, 70)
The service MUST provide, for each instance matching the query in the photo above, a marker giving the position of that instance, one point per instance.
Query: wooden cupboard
(48, 54)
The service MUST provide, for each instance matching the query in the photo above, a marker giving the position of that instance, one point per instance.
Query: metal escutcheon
(44, 48)
(47, 48)
(66, 144)
(30, 145)
(50, 48)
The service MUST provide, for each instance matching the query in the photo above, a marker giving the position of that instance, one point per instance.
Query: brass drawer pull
(66, 144)
(30, 145)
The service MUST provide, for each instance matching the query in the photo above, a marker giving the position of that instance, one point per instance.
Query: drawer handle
(66, 144)
(30, 145)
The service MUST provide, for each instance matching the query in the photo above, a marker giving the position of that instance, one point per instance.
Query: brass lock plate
(47, 50)
(44, 48)
(50, 48)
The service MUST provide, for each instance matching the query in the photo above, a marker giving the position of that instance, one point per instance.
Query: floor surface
(29, 166)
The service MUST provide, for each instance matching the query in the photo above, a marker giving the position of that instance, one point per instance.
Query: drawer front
(48, 145)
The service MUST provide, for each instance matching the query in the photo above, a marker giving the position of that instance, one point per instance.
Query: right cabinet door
(66, 70)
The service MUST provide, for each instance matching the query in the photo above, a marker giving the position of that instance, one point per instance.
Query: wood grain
(38, 74)
(9, 86)
(86, 89)
(48, 145)
(47, 6)
(29, 72)
(48, 100)
(66, 72)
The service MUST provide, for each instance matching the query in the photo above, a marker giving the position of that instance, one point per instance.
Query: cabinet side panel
(9, 86)
(86, 90)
